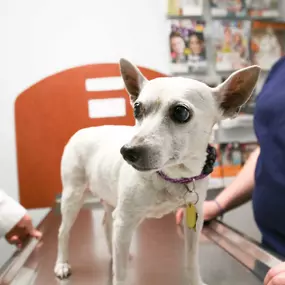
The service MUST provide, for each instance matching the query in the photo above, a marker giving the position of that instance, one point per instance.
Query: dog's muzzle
(133, 154)
(138, 157)
(141, 157)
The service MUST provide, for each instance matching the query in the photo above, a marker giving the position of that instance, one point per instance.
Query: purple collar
(208, 169)
(183, 180)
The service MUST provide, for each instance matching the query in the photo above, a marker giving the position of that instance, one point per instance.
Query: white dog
(147, 171)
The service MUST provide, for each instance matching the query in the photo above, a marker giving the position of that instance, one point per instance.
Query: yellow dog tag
(191, 216)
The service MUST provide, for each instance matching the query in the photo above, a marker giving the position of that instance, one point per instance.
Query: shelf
(241, 121)
(238, 134)
(219, 183)
(230, 18)
(248, 18)
(185, 17)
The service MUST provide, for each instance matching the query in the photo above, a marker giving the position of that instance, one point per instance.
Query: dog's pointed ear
(232, 94)
(133, 78)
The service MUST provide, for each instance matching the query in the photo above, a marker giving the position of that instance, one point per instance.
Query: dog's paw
(62, 270)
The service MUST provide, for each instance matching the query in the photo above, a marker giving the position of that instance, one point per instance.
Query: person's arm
(240, 190)
(236, 194)
(11, 213)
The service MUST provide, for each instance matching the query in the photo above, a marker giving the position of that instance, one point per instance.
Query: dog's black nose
(131, 154)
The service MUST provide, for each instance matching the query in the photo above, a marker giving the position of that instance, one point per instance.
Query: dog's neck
(180, 171)
(190, 167)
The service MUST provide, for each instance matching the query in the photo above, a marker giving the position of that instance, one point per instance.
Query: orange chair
(47, 114)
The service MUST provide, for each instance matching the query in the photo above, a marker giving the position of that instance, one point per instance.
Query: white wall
(40, 38)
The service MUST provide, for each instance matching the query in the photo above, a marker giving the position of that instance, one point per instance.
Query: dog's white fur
(92, 160)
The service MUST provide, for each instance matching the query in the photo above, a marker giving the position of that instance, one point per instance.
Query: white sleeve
(11, 212)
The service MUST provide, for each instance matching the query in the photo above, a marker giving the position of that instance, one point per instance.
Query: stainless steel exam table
(227, 257)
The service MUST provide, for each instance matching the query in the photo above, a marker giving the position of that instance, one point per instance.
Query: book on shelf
(263, 8)
(267, 43)
(187, 46)
(185, 7)
(228, 8)
(231, 42)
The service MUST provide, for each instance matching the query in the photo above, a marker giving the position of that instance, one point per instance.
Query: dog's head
(175, 116)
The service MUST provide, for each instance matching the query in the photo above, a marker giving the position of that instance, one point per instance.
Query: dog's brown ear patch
(133, 78)
(236, 90)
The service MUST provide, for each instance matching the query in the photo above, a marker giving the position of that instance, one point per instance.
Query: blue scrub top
(269, 192)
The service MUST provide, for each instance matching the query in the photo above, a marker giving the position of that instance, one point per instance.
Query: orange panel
(263, 25)
(47, 115)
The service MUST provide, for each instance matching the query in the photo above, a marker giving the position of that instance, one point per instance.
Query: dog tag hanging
(191, 216)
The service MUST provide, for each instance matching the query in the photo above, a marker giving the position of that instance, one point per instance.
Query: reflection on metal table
(157, 250)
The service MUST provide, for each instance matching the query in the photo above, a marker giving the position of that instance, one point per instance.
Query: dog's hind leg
(108, 225)
(74, 186)
(72, 201)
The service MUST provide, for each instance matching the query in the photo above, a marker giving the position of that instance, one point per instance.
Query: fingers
(31, 230)
(277, 280)
(275, 274)
(14, 240)
(19, 235)
(36, 234)
(179, 216)
(28, 225)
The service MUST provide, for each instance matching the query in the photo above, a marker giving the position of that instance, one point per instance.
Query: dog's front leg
(123, 228)
(192, 269)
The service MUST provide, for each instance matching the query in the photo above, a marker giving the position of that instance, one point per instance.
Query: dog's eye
(180, 114)
(138, 110)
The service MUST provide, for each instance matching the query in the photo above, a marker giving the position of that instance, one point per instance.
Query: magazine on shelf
(267, 43)
(185, 7)
(231, 41)
(187, 46)
(228, 8)
(263, 8)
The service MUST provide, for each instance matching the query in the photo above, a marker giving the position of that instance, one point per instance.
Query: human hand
(276, 275)
(22, 231)
(211, 211)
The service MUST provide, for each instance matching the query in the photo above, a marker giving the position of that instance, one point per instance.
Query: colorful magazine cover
(185, 7)
(263, 8)
(267, 43)
(231, 8)
(231, 40)
(187, 46)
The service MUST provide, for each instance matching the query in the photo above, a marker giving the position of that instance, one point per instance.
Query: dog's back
(88, 152)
